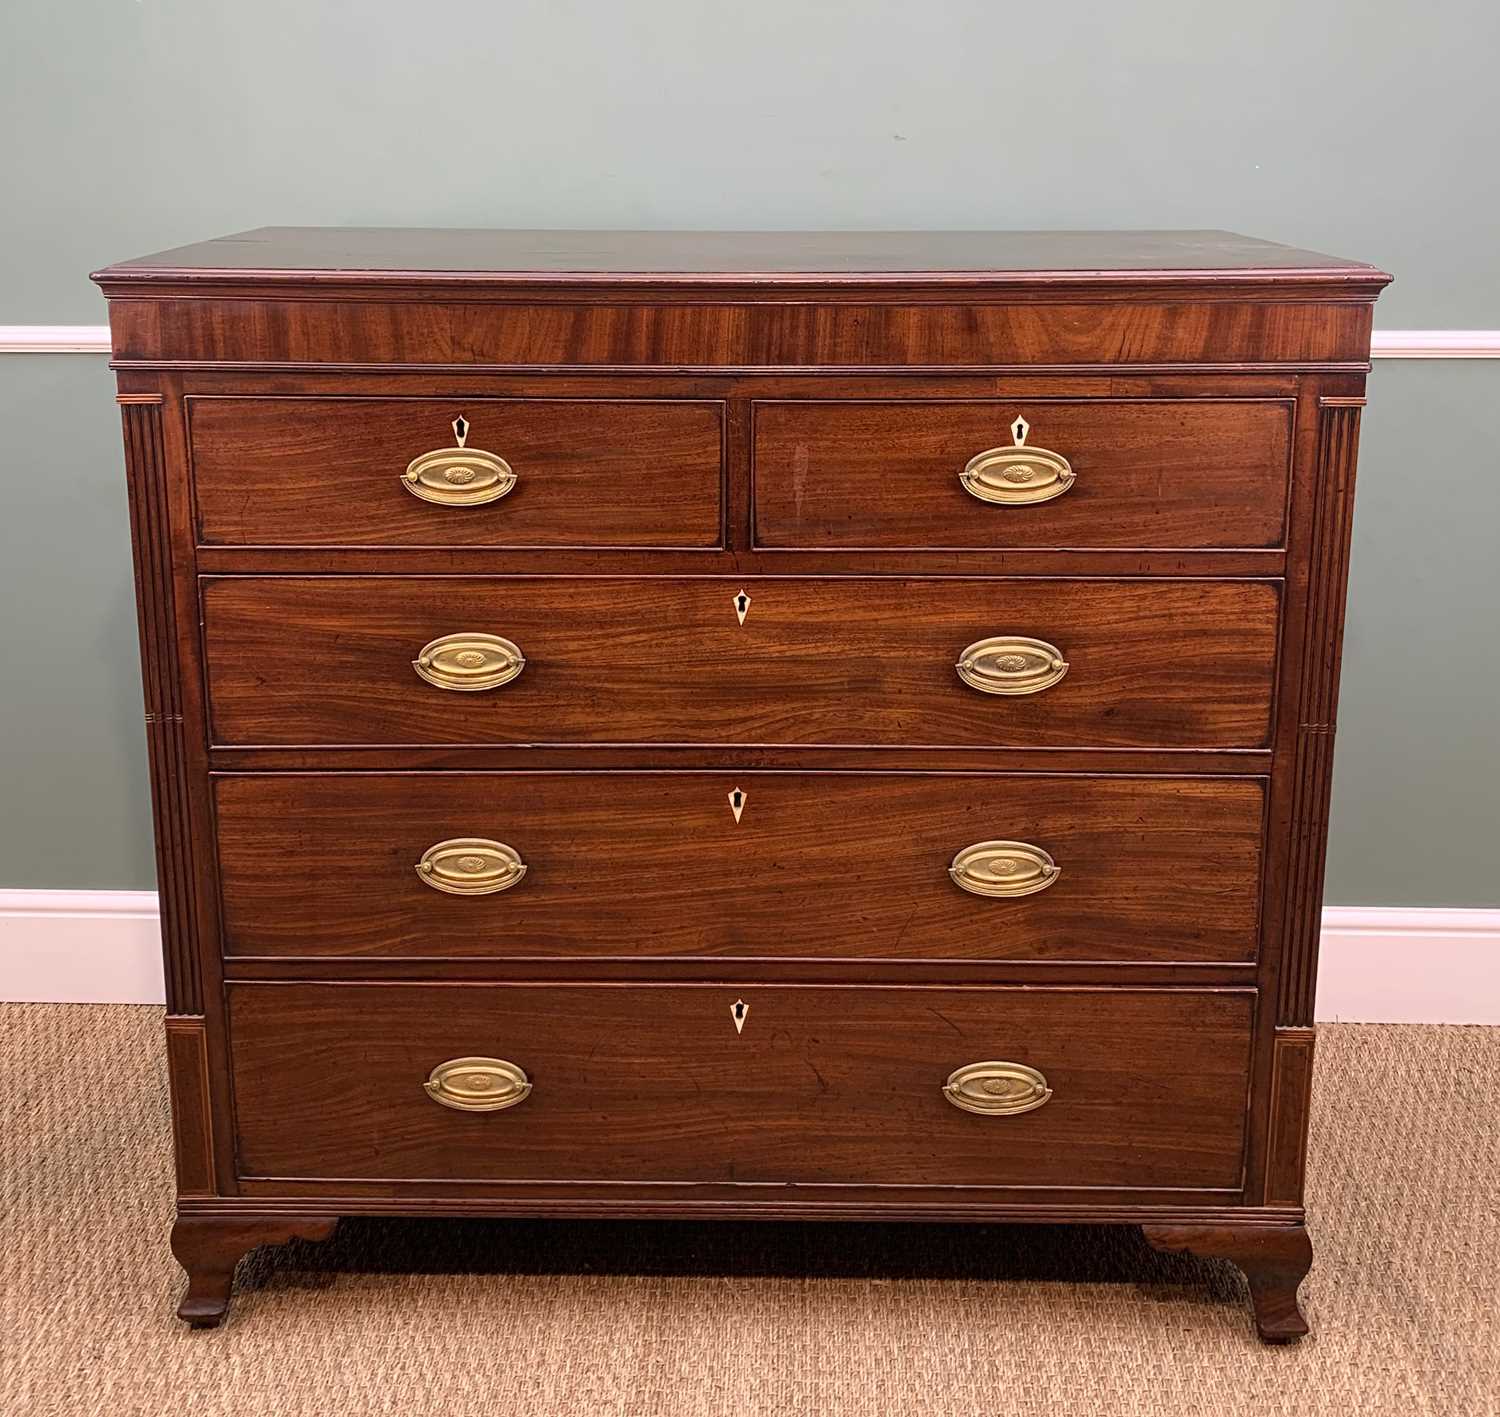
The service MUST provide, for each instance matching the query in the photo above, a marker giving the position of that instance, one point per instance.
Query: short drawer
(764, 865)
(391, 472)
(983, 474)
(831, 1085)
(1025, 662)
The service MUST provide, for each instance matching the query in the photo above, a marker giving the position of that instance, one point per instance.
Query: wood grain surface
(662, 257)
(819, 865)
(1168, 474)
(1186, 664)
(823, 1085)
(692, 417)
(261, 327)
(327, 472)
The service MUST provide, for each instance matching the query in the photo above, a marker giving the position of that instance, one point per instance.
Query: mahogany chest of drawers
(741, 725)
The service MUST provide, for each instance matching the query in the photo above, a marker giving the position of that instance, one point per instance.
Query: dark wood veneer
(1317, 704)
(327, 472)
(818, 661)
(1275, 1260)
(823, 1085)
(692, 415)
(1291, 1102)
(209, 1247)
(192, 1107)
(754, 334)
(408, 258)
(161, 681)
(1186, 473)
(824, 865)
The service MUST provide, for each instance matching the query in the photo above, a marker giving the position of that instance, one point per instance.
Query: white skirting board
(80, 947)
(1378, 965)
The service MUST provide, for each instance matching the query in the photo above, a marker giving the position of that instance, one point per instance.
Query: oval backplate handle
(470, 865)
(1011, 664)
(996, 1089)
(477, 1084)
(469, 661)
(1017, 476)
(458, 476)
(1003, 868)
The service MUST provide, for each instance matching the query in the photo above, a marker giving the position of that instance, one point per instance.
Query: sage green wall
(1362, 127)
(1365, 127)
(1416, 782)
(74, 800)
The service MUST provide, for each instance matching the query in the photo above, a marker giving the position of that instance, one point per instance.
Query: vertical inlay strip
(1291, 1098)
(1328, 573)
(192, 1111)
(145, 467)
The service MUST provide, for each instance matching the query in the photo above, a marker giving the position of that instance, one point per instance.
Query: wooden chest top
(748, 299)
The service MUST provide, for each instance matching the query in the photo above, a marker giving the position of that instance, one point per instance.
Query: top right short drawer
(983, 474)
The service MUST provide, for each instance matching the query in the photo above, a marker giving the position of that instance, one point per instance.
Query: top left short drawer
(475, 472)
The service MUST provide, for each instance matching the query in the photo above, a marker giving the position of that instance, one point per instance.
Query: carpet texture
(512, 1319)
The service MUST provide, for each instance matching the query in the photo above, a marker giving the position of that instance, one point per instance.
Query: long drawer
(741, 1084)
(962, 866)
(924, 474)
(1024, 662)
(391, 472)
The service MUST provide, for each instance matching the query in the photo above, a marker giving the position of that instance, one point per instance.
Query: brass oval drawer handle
(1003, 868)
(996, 1089)
(458, 476)
(477, 1084)
(1017, 476)
(469, 661)
(470, 865)
(1011, 664)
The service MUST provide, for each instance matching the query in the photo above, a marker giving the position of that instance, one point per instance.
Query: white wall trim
(1385, 344)
(1387, 965)
(1409, 965)
(1435, 344)
(80, 947)
(54, 339)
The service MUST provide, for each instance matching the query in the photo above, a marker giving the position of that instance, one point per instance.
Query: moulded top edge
(345, 256)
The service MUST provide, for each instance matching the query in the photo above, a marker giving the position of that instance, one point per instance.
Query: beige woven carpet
(504, 1318)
